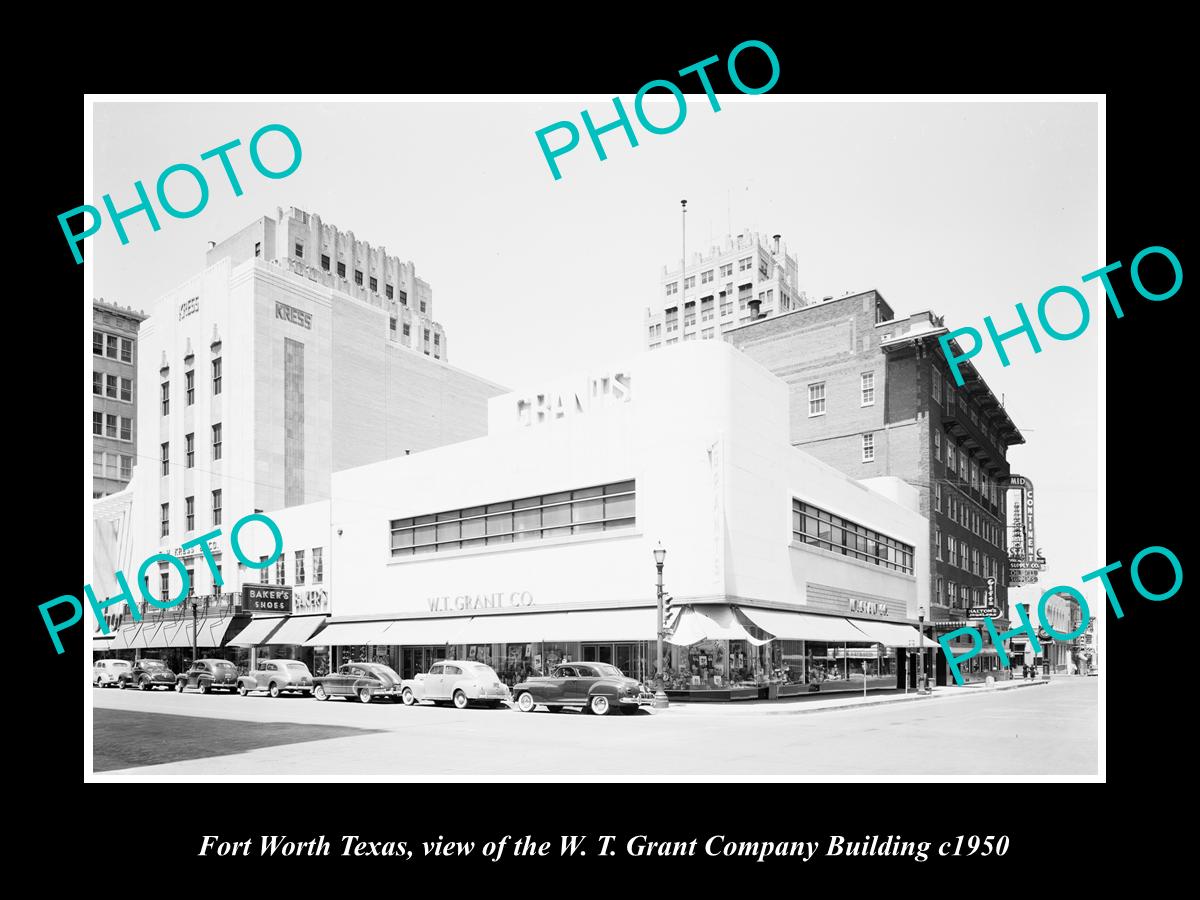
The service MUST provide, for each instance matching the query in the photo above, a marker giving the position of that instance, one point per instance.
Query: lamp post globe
(660, 694)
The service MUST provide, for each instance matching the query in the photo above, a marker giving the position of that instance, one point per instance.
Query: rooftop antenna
(683, 257)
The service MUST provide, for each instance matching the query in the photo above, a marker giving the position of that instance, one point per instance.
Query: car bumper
(643, 699)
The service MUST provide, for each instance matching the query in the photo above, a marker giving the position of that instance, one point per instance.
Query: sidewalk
(803, 705)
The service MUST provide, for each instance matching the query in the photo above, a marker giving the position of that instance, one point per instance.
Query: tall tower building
(114, 395)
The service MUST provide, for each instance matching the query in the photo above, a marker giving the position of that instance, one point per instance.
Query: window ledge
(614, 534)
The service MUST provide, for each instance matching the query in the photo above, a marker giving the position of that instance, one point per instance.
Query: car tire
(319, 692)
(205, 687)
(243, 690)
(121, 684)
(273, 690)
(525, 702)
(408, 698)
(96, 683)
(179, 686)
(460, 700)
(364, 695)
(143, 684)
(599, 705)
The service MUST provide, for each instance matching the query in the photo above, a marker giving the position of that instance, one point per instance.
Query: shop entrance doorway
(419, 659)
(630, 658)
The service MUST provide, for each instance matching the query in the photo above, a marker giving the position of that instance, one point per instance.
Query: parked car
(106, 672)
(591, 686)
(277, 676)
(366, 681)
(461, 682)
(208, 675)
(148, 674)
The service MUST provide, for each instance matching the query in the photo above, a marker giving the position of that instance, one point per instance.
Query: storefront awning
(122, 636)
(256, 632)
(891, 634)
(210, 632)
(296, 630)
(430, 632)
(798, 626)
(341, 634)
(715, 623)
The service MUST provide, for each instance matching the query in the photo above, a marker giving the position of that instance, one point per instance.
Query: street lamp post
(195, 630)
(660, 694)
(922, 687)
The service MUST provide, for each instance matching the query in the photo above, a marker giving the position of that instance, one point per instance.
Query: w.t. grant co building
(535, 543)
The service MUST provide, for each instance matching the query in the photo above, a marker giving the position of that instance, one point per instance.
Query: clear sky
(960, 208)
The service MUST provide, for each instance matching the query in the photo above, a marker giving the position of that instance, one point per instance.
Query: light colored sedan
(107, 672)
(277, 676)
(457, 681)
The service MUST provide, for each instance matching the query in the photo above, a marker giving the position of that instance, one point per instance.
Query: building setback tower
(871, 395)
(298, 351)
(114, 395)
(746, 277)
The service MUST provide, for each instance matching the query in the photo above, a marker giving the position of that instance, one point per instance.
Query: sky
(961, 208)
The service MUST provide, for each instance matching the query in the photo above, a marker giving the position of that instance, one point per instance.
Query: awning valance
(892, 634)
(341, 634)
(123, 636)
(797, 626)
(210, 632)
(715, 623)
(296, 630)
(431, 632)
(256, 632)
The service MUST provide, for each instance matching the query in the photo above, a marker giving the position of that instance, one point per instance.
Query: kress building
(534, 544)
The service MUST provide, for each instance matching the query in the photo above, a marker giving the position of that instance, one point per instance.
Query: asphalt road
(1045, 730)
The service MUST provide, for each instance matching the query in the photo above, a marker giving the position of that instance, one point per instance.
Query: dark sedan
(148, 674)
(366, 681)
(592, 687)
(207, 675)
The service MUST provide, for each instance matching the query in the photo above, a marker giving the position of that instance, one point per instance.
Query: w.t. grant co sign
(498, 600)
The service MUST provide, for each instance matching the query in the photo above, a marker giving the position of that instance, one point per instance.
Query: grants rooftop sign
(573, 399)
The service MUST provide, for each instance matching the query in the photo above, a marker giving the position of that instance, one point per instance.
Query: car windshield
(153, 664)
(605, 670)
(118, 664)
(222, 664)
(297, 667)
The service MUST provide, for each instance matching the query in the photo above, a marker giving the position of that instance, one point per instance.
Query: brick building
(114, 396)
(872, 395)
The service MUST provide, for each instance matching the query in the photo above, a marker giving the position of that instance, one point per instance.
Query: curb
(803, 709)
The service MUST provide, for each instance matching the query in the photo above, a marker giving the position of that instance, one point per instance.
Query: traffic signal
(670, 613)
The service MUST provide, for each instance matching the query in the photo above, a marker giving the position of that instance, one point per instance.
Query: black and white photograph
(614, 439)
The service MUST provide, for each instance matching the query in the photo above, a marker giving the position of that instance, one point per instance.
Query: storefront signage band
(497, 600)
(869, 607)
(266, 598)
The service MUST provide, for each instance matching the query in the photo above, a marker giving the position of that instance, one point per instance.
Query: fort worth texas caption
(605, 845)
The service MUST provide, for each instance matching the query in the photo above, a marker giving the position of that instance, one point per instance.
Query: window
(111, 345)
(706, 334)
(374, 284)
(98, 342)
(110, 386)
(216, 441)
(127, 390)
(868, 447)
(299, 567)
(216, 376)
(164, 586)
(814, 526)
(165, 396)
(672, 288)
(727, 270)
(318, 565)
(299, 250)
(392, 325)
(279, 570)
(936, 379)
(868, 389)
(98, 423)
(937, 497)
(126, 468)
(403, 297)
(937, 592)
(937, 542)
(110, 425)
(189, 387)
(126, 350)
(951, 593)
(437, 338)
(745, 264)
(706, 277)
(726, 305)
(389, 291)
(216, 507)
(951, 549)
(358, 276)
(189, 451)
(937, 446)
(189, 513)
(324, 262)
(264, 572)
(165, 457)
(258, 248)
(975, 561)
(164, 519)
(706, 309)
(950, 456)
(341, 270)
(816, 399)
(672, 319)
(689, 313)
(422, 306)
(689, 282)
(406, 329)
(98, 463)
(97, 383)
(126, 428)
(583, 511)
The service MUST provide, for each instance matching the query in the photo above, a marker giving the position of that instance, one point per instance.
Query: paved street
(1047, 730)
